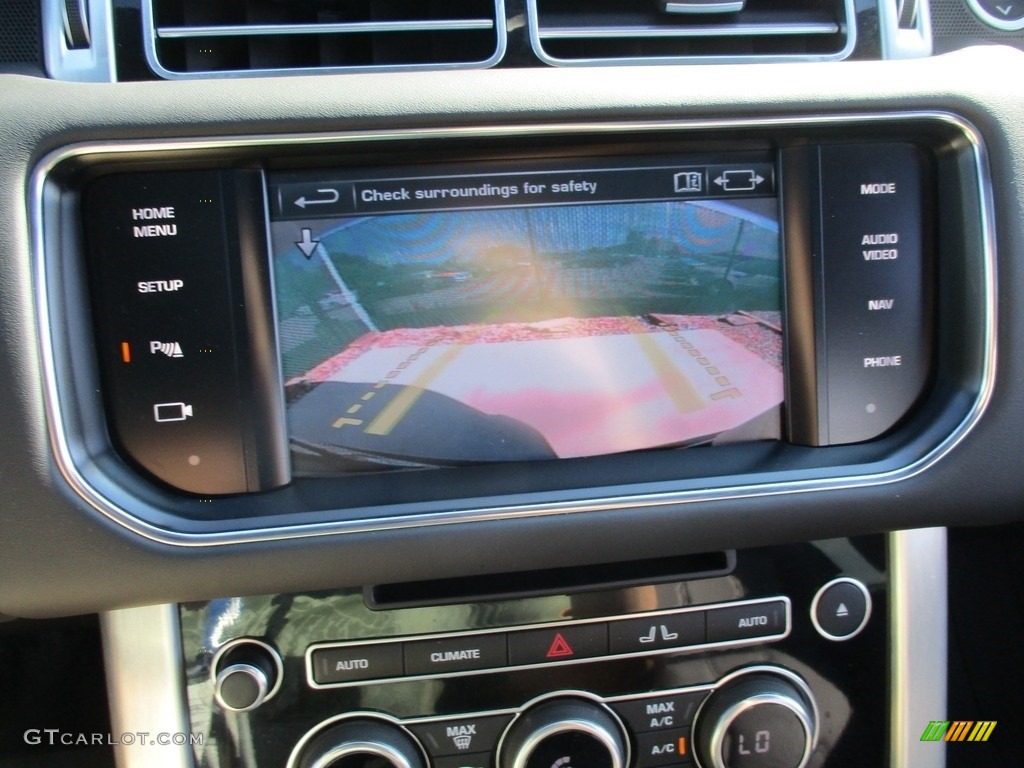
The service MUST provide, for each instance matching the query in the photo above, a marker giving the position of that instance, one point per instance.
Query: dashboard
(511, 384)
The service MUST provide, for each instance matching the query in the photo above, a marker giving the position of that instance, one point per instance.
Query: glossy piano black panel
(848, 679)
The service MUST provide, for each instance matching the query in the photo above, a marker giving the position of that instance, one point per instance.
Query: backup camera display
(451, 319)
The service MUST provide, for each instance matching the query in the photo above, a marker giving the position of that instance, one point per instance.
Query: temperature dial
(756, 720)
(564, 733)
(362, 742)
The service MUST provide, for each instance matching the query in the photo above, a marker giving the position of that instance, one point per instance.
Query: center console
(780, 656)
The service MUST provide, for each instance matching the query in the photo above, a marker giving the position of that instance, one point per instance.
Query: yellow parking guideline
(395, 411)
(683, 394)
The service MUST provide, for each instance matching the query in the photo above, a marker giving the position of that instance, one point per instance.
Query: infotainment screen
(444, 316)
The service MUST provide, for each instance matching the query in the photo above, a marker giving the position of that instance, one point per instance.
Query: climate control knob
(360, 742)
(565, 732)
(759, 719)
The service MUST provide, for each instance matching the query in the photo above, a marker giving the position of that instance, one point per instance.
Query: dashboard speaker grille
(198, 38)
(566, 32)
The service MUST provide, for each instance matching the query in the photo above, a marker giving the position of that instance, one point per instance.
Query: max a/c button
(458, 654)
(747, 621)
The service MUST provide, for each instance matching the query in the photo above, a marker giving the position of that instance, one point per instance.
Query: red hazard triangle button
(560, 648)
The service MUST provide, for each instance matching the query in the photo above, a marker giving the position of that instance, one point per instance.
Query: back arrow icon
(331, 198)
(307, 244)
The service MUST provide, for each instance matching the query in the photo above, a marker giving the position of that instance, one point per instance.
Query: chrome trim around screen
(44, 260)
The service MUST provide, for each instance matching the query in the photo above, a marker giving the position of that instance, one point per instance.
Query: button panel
(333, 665)
(876, 303)
(184, 329)
(159, 265)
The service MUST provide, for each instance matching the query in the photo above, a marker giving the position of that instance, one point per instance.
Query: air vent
(571, 33)
(222, 38)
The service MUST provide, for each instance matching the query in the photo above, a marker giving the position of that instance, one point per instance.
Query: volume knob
(246, 673)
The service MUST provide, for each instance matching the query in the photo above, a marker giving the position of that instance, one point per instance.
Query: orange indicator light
(126, 352)
(681, 751)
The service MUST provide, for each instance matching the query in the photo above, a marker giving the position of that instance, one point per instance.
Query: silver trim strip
(538, 35)
(456, 635)
(246, 30)
(986, 17)
(94, 64)
(150, 34)
(146, 686)
(900, 41)
(79, 484)
(706, 30)
(817, 598)
(703, 6)
(918, 626)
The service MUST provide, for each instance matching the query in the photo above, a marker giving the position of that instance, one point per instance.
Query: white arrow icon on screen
(332, 196)
(307, 244)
